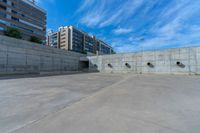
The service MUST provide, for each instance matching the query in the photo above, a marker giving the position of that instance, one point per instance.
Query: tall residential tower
(24, 15)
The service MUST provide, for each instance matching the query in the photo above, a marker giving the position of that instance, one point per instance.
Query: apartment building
(103, 48)
(90, 42)
(24, 15)
(64, 40)
(53, 39)
(76, 40)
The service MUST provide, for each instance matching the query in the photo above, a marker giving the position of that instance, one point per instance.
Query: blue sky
(130, 25)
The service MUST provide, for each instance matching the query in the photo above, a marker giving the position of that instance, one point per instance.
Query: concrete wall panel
(20, 57)
(163, 61)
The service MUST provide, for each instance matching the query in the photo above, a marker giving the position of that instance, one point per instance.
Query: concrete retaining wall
(164, 61)
(20, 57)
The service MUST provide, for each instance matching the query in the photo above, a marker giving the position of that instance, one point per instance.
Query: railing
(34, 5)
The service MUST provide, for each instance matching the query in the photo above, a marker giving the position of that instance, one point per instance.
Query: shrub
(84, 52)
(35, 39)
(13, 32)
(113, 52)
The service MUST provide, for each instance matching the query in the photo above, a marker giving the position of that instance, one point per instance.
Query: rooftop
(30, 2)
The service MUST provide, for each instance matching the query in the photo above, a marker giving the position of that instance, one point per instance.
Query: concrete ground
(101, 103)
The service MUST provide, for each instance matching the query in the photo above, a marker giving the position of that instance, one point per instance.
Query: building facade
(76, 40)
(64, 38)
(53, 39)
(103, 48)
(25, 16)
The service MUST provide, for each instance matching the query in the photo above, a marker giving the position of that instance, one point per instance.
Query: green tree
(84, 52)
(113, 52)
(13, 32)
(35, 39)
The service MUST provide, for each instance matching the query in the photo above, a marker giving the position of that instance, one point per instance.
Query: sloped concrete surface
(135, 104)
(27, 100)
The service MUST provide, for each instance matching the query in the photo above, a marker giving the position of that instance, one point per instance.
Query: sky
(130, 25)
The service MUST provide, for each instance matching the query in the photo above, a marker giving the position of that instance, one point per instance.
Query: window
(16, 26)
(63, 42)
(3, 15)
(5, 1)
(4, 22)
(2, 7)
(16, 19)
(1, 28)
(30, 24)
(14, 12)
(36, 21)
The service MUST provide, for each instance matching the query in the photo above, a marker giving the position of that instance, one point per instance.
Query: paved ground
(27, 100)
(114, 104)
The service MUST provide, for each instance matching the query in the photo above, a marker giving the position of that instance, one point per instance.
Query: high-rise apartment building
(64, 38)
(53, 39)
(24, 15)
(76, 40)
(103, 48)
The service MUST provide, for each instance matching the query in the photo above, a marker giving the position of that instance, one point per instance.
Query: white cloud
(91, 19)
(175, 31)
(103, 12)
(44, 1)
(122, 13)
(168, 25)
(84, 5)
(94, 13)
(122, 31)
